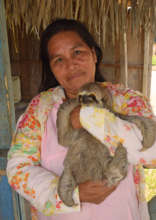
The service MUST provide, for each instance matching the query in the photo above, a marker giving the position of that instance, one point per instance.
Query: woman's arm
(25, 174)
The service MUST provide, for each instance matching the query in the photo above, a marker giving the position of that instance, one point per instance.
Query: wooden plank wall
(25, 64)
(138, 58)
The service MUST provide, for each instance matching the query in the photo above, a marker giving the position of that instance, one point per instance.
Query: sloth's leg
(148, 132)
(118, 167)
(66, 187)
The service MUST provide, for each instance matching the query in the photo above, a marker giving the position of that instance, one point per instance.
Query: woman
(70, 58)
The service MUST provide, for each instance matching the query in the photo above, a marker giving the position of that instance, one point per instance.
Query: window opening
(153, 79)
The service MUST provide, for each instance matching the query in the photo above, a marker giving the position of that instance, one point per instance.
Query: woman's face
(71, 61)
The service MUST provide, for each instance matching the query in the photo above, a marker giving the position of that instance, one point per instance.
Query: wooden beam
(117, 65)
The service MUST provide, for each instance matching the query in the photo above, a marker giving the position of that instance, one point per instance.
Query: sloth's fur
(88, 158)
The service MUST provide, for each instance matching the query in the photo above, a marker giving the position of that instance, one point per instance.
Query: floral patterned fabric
(24, 155)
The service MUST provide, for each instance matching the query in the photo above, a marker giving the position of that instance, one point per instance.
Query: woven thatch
(99, 15)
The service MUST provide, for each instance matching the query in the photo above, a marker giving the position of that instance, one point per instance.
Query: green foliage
(154, 60)
(150, 180)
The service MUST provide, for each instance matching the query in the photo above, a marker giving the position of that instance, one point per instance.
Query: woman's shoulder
(42, 103)
(40, 106)
(41, 100)
(120, 88)
(45, 97)
(129, 101)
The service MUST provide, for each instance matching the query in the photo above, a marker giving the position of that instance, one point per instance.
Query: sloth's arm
(66, 133)
(75, 118)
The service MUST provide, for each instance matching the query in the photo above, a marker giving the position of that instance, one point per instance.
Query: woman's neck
(70, 95)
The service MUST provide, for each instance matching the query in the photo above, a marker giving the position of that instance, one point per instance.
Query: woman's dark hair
(59, 25)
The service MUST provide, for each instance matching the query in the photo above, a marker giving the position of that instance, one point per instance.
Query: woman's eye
(58, 60)
(77, 52)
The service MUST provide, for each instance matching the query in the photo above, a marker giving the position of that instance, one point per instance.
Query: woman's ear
(94, 55)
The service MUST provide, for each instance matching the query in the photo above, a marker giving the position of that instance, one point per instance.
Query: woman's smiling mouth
(75, 75)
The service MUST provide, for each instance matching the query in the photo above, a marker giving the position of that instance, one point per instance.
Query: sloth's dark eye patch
(87, 99)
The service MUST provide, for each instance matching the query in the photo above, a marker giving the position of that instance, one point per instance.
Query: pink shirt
(122, 204)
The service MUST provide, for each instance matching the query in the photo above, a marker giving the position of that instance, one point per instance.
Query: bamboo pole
(123, 59)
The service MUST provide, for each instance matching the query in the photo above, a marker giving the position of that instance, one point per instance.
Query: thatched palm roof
(99, 15)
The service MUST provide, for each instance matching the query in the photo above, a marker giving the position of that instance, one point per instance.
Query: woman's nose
(71, 63)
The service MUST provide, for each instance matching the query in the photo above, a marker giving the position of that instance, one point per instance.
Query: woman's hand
(75, 118)
(94, 192)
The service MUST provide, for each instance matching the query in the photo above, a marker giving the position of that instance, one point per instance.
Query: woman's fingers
(94, 192)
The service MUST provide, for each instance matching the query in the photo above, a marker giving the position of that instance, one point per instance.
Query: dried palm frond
(77, 7)
(100, 15)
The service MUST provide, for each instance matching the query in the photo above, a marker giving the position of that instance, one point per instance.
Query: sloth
(87, 158)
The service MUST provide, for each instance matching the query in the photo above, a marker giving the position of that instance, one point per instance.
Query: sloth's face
(90, 94)
(71, 61)
(87, 99)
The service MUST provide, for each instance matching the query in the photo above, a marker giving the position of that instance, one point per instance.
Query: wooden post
(9, 200)
(147, 70)
(6, 122)
(146, 63)
(7, 116)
